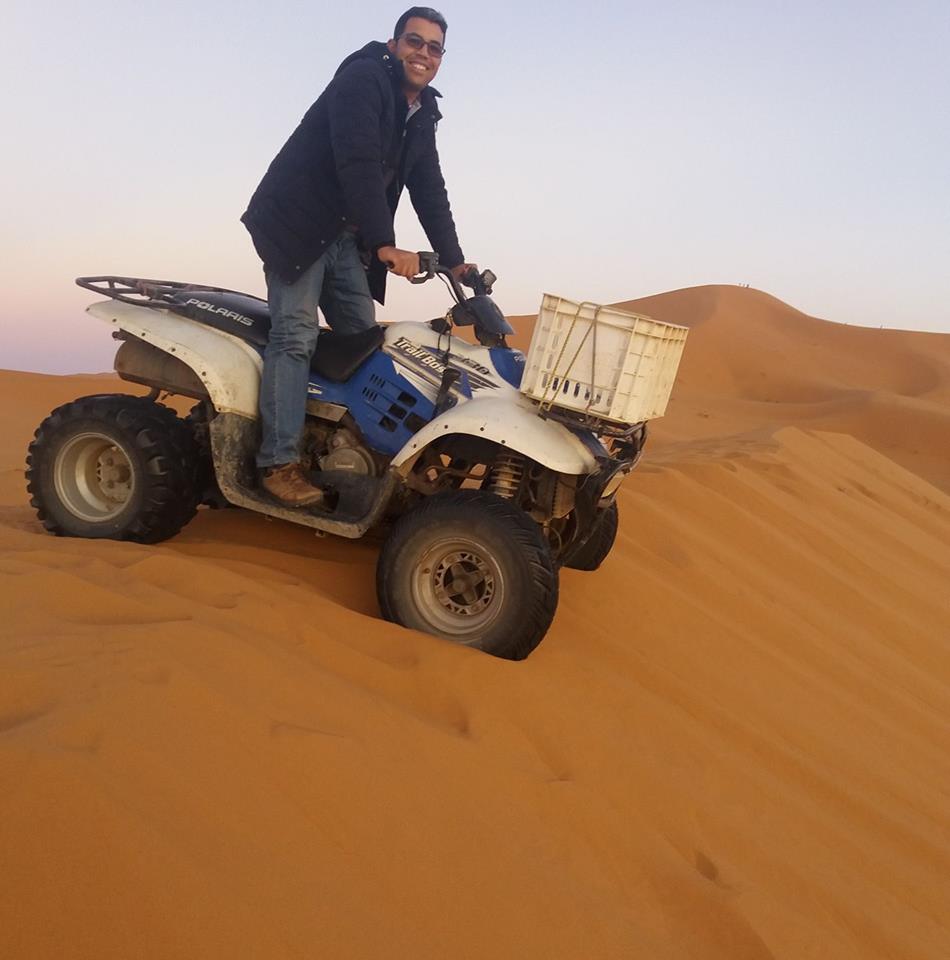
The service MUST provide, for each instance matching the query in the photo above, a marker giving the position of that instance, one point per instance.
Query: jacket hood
(377, 51)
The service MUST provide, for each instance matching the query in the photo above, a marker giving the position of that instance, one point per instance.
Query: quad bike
(485, 492)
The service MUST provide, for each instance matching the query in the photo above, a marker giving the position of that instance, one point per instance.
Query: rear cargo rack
(148, 293)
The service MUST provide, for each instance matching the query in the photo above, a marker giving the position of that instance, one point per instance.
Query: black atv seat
(337, 355)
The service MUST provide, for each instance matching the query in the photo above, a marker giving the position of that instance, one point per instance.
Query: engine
(336, 445)
(345, 452)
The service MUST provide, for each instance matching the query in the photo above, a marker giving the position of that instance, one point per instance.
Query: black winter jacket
(346, 165)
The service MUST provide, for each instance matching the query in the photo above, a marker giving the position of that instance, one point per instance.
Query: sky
(598, 151)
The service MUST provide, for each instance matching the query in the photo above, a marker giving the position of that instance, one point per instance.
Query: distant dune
(733, 743)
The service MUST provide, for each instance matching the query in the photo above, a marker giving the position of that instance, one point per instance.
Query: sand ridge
(732, 743)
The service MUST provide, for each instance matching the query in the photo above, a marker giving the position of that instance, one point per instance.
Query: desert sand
(733, 743)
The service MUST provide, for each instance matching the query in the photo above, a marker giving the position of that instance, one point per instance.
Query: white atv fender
(229, 369)
(511, 422)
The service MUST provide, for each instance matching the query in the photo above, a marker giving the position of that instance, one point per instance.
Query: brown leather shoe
(289, 486)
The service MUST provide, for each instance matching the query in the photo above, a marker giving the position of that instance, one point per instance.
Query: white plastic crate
(602, 362)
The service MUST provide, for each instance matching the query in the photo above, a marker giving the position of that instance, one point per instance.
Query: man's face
(419, 65)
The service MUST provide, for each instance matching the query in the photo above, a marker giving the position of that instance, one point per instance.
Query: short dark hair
(426, 13)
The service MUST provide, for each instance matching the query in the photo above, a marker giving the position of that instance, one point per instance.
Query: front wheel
(592, 553)
(472, 568)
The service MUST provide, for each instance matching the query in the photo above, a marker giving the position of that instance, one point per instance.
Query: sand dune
(759, 362)
(733, 743)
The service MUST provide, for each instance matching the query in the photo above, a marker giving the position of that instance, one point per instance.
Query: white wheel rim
(93, 477)
(458, 588)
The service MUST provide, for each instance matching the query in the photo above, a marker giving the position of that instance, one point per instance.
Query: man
(325, 208)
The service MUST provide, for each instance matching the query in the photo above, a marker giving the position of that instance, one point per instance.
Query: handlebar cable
(447, 353)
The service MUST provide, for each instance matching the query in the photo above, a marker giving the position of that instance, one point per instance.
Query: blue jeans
(337, 283)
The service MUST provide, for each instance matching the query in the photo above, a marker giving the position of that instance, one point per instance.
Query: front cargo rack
(600, 362)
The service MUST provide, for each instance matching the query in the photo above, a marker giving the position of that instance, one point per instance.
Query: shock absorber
(506, 475)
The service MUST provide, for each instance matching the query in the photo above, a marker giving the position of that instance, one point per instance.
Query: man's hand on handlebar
(419, 267)
(465, 272)
(403, 263)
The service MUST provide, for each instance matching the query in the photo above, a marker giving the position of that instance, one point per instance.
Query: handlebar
(481, 283)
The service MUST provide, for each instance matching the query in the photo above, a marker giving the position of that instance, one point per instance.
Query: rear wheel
(472, 568)
(113, 466)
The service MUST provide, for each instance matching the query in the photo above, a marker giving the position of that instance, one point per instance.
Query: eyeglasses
(417, 43)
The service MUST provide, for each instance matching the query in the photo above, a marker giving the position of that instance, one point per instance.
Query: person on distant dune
(322, 221)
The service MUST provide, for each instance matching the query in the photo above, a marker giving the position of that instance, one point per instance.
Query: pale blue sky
(598, 151)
